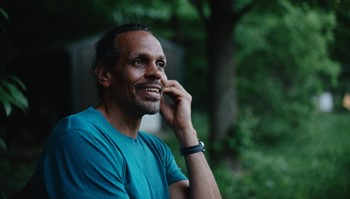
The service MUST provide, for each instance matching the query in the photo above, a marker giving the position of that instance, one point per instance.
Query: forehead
(137, 42)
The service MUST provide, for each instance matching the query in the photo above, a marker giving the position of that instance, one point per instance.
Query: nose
(154, 72)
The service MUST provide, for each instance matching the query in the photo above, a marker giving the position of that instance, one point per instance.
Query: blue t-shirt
(85, 157)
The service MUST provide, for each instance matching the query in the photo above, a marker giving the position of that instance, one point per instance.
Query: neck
(121, 120)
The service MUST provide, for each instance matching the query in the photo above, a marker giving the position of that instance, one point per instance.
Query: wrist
(187, 137)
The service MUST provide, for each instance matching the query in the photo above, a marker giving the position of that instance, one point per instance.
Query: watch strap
(192, 149)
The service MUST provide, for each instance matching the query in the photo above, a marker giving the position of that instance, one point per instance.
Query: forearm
(202, 181)
(201, 178)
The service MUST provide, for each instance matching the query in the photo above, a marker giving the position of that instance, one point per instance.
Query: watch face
(202, 143)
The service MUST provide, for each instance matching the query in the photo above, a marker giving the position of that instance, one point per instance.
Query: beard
(144, 102)
(148, 106)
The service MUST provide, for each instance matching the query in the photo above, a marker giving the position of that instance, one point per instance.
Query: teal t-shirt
(85, 157)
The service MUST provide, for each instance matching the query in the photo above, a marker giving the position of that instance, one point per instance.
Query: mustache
(156, 84)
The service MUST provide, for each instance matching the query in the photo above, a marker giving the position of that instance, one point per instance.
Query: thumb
(166, 110)
(163, 107)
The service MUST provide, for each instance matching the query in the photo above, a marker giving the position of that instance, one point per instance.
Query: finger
(173, 87)
(174, 83)
(177, 93)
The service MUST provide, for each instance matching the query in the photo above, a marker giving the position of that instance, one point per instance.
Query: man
(100, 152)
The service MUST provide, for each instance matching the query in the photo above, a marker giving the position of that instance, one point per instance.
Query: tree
(220, 19)
(284, 62)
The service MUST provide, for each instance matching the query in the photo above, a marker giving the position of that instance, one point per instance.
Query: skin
(136, 86)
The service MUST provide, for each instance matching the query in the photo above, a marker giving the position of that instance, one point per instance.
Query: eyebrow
(146, 55)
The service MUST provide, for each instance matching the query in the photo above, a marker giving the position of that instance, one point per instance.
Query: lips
(150, 91)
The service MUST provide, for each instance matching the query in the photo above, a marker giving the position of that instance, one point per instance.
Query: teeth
(152, 90)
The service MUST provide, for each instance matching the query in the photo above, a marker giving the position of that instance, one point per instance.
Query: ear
(103, 76)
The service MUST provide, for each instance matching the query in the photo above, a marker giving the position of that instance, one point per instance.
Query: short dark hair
(107, 52)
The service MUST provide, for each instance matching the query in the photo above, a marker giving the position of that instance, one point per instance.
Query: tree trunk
(223, 108)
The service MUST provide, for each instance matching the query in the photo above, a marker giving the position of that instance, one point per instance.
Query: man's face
(138, 75)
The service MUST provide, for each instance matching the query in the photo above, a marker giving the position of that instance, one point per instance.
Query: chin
(152, 110)
(148, 108)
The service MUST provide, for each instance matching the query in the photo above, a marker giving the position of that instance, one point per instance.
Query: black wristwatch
(192, 149)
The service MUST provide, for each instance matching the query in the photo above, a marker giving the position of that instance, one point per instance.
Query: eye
(139, 62)
(161, 65)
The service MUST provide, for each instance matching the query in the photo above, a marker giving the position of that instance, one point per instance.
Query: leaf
(7, 107)
(19, 82)
(16, 96)
(11, 94)
(4, 14)
(4, 98)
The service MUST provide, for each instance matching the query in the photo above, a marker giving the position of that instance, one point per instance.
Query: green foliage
(282, 62)
(154, 10)
(11, 94)
(246, 124)
(241, 138)
(315, 165)
(11, 87)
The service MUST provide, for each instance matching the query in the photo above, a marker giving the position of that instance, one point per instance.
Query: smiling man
(100, 152)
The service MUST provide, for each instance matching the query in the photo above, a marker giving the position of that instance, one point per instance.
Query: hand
(177, 115)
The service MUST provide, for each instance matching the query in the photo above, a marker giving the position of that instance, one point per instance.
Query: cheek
(132, 75)
(129, 80)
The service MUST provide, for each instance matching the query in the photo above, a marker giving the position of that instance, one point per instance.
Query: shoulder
(82, 120)
(81, 134)
(87, 120)
(81, 127)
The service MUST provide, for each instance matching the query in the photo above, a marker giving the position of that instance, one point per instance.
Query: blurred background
(270, 82)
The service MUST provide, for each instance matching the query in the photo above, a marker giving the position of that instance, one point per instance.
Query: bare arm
(202, 183)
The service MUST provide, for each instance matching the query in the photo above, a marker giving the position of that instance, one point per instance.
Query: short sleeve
(174, 173)
(170, 168)
(80, 165)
